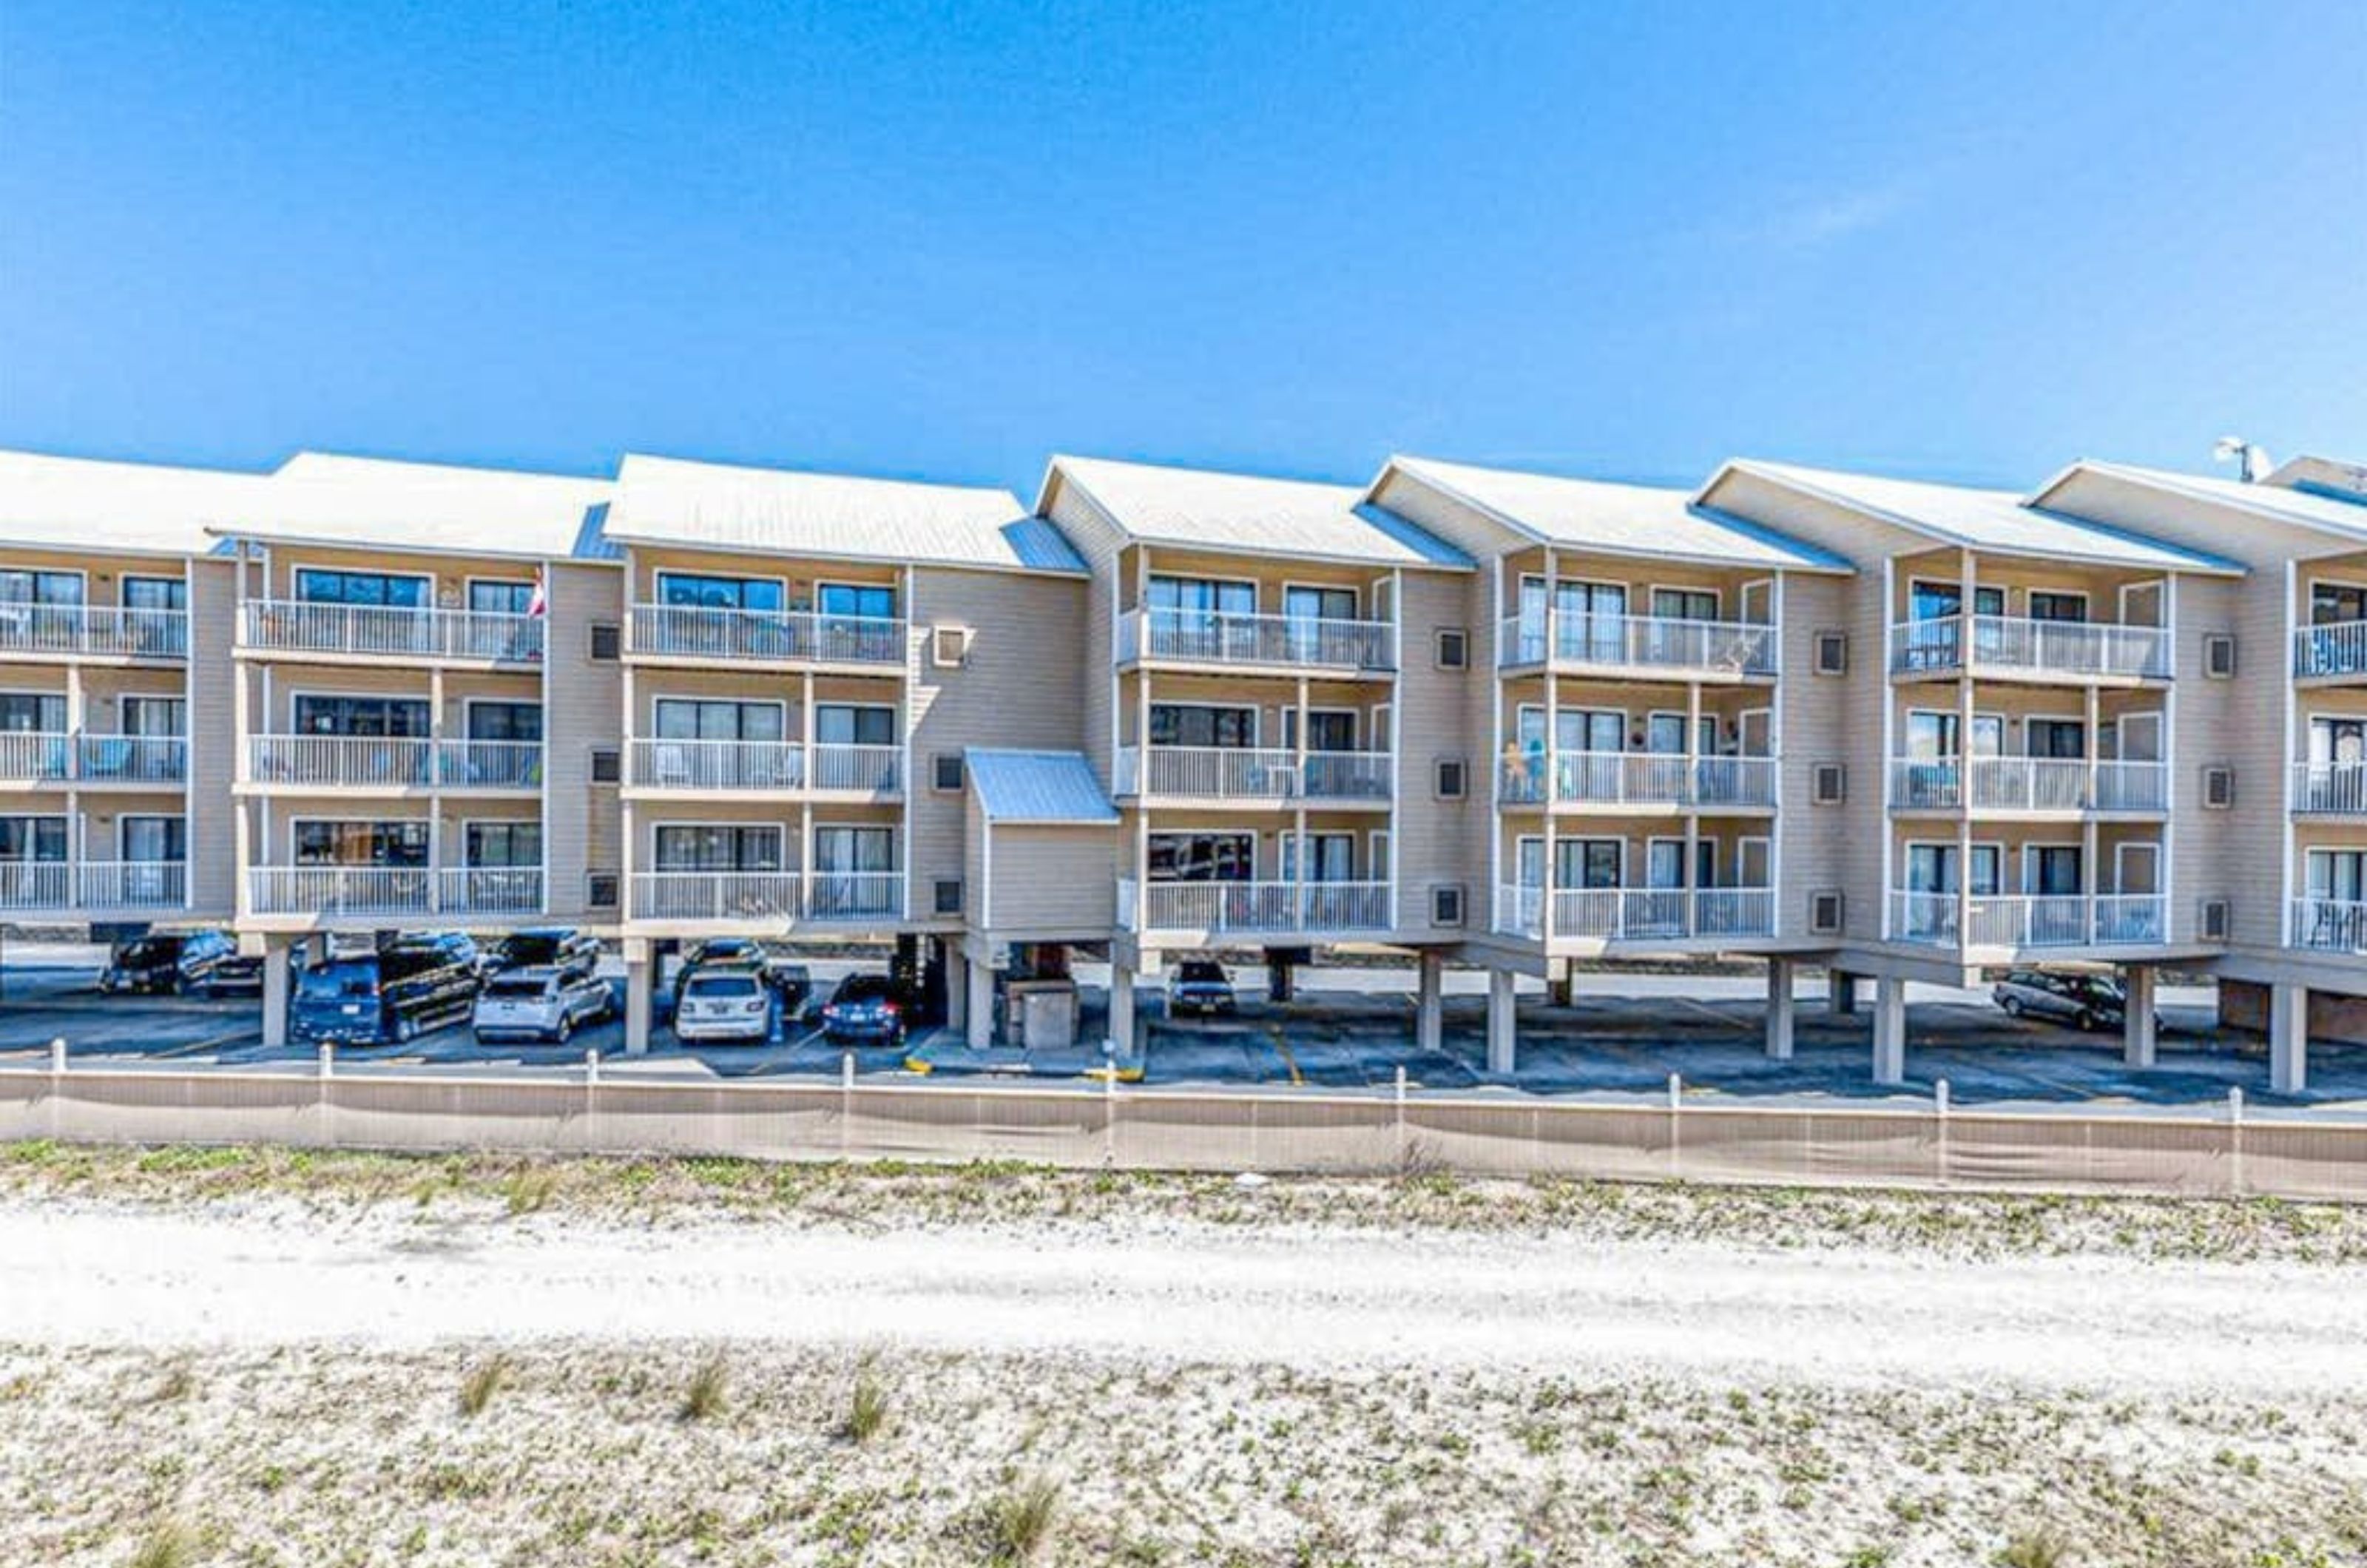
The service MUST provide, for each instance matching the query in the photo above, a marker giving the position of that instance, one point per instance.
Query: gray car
(2083, 1001)
(540, 1002)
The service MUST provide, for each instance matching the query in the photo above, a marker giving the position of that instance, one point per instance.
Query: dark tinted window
(1200, 970)
(866, 988)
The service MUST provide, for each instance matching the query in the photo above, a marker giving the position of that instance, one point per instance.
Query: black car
(570, 951)
(171, 963)
(458, 947)
(395, 994)
(1200, 985)
(867, 1007)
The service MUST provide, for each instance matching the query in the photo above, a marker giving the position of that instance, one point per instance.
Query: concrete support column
(2137, 1042)
(2289, 1039)
(1779, 1009)
(957, 990)
(1428, 1005)
(1561, 989)
(1841, 990)
(278, 977)
(1277, 979)
(640, 997)
(1500, 1023)
(979, 1010)
(1889, 1029)
(1124, 1034)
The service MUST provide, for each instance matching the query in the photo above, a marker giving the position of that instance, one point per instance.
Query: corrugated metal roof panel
(2315, 508)
(669, 500)
(144, 508)
(1246, 514)
(379, 503)
(1618, 519)
(1037, 787)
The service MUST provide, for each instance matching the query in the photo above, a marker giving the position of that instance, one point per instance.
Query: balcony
(1648, 644)
(77, 631)
(2330, 925)
(34, 757)
(2335, 651)
(701, 634)
(1291, 642)
(1637, 914)
(2329, 789)
(392, 763)
(2009, 646)
(2073, 920)
(394, 891)
(1220, 772)
(1310, 910)
(1643, 778)
(365, 631)
(732, 767)
(93, 885)
(773, 897)
(2029, 783)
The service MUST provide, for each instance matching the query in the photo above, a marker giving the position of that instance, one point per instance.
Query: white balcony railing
(2012, 643)
(1649, 642)
(2029, 783)
(763, 766)
(768, 895)
(341, 890)
(861, 770)
(2330, 925)
(92, 631)
(1225, 773)
(776, 636)
(1209, 636)
(294, 625)
(132, 885)
(2339, 648)
(1642, 778)
(2072, 919)
(1637, 914)
(31, 757)
(1308, 908)
(855, 896)
(2329, 789)
(393, 762)
(36, 884)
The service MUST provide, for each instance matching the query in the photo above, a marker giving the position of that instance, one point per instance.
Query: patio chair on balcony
(670, 767)
(111, 759)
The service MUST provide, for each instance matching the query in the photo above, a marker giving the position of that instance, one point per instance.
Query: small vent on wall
(949, 646)
(947, 771)
(1828, 786)
(2218, 787)
(600, 890)
(948, 895)
(1446, 906)
(1452, 781)
(608, 641)
(1826, 909)
(2218, 919)
(1832, 653)
(2219, 655)
(608, 765)
(1454, 646)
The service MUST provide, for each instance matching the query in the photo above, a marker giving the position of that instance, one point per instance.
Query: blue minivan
(393, 994)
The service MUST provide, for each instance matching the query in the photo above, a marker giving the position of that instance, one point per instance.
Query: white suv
(724, 1004)
(540, 1002)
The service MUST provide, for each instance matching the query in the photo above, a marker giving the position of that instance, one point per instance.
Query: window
(374, 590)
(1449, 778)
(21, 587)
(505, 721)
(2337, 876)
(1590, 862)
(1579, 729)
(502, 844)
(1832, 653)
(154, 715)
(1203, 596)
(2051, 870)
(1935, 600)
(36, 838)
(32, 713)
(1934, 868)
(401, 844)
(1203, 857)
(2334, 603)
(719, 718)
(2064, 737)
(855, 601)
(152, 841)
(849, 850)
(843, 724)
(703, 847)
(1327, 729)
(500, 597)
(1451, 648)
(1376, 854)
(1196, 724)
(155, 594)
(946, 768)
(682, 590)
(1304, 604)
(1331, 857)
(1685, 604)
(607, 642)
(367, 716)
(2046, 606)
(949, 646)
(608, 765)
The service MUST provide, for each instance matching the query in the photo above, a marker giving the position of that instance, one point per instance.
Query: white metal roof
(1250, 514)
(1615, 519)
(1037, 787)
(1997, 520)
(2302, 508)
(322, 498)
(135, 508)
(671, 501)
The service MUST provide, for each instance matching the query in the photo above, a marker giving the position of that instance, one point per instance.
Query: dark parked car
(2084, 1001)
(866, 1006)
(173, 962)
(568, 951)
(236, 974)
(795, 982)
(395, 994)
(1200, 985)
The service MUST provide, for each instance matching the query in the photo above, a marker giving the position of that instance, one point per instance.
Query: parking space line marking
(213, 1042)
(1274, 1031)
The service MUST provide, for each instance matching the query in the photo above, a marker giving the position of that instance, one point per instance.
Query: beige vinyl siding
(1015, 690)
(1051, 881)
(1102, 544)
(1815, 718)
(583, 711)
(213, 737)
(1466, 528)
(1435, 841)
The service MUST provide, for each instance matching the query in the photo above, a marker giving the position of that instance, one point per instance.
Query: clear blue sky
(1964, 241)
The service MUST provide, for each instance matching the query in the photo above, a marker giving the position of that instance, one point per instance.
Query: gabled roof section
(2335, 477)
(1612, 519)
(721, 506)
(2324, 514)
(1995, 521)
(1248, 514)
(1037, 788)
(377, 503)
(131, 508)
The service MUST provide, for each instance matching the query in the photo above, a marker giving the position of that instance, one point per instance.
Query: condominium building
(1904, 730)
